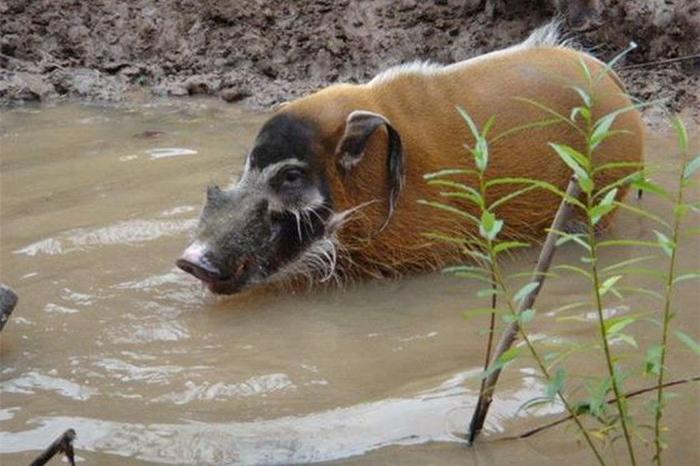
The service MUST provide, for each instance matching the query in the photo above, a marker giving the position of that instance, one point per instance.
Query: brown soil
(264, 52)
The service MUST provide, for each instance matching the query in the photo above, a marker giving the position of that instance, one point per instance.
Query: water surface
(112, 340)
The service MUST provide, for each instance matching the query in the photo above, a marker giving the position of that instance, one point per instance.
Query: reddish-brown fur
(421, 107)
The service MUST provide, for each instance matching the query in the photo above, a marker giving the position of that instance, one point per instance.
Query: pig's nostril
(204, 272)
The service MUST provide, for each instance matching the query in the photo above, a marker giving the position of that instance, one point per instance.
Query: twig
(511, 332)
(489, 346)
(661, 62)
(631, 394)
(63, 444)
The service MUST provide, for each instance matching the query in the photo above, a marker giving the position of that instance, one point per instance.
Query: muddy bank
(264, 52)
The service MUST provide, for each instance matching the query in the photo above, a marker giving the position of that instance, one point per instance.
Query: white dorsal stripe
(548, 35)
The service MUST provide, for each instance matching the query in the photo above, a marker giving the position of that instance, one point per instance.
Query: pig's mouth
(216, 281)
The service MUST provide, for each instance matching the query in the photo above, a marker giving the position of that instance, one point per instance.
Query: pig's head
(278, 218)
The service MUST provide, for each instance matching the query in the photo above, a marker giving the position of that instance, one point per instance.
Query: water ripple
(127, 232)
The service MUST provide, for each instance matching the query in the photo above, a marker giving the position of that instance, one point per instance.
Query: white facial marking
(195, 253)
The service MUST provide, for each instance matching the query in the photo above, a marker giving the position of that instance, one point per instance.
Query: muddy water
(111, 339)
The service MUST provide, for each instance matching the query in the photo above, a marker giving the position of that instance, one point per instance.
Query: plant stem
(619, 396)
(474, 429)
(667, 317)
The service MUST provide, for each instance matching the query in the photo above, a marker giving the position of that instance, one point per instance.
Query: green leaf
(502, 360)
(573, 268)
(615, 325)
(556, 384)
(688, 340)
(507, 245)
(445, 238)
(573, 158)
(629, 339)
(551, 111)
(473, 276)
(605, 206)
(602, 130)
(512, 195)
(625, 263)
(652, 360)
(472, 126)
(489, 227)
(464, 268)
(586, 184)
(578, 238)
(524, 291)
(583, 111)
(686, 276)
(691, 167)
(455, 185)
(584, 96)
(488, 125)
(681, 132)
(596, 402)
(517, 129)
(449, 172)
(451, 209)
(526, 316)
(533, 403)
(627, 242)
(615, 165)
(609, 197)
(642, 213)
(509, 355)
(666, 244)
(487, 292)
(608, 284)
(650, 187)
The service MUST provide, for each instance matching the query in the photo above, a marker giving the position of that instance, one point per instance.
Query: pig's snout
(195, 262)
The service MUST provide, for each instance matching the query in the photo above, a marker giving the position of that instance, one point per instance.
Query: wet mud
(263, 53)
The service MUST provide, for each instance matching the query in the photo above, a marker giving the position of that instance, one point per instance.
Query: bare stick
(631, 394)
(662, 62)
(63, 444)
(511, 332)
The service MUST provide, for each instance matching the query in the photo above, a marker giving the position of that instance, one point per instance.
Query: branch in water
(508, 338)
(631, 394)
(63, 444)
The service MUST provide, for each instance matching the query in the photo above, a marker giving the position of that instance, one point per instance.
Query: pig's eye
(291, 178)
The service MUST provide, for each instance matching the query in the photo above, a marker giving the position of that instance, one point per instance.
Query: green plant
(604, 412)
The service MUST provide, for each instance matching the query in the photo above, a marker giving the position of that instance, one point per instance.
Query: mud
(266, 52)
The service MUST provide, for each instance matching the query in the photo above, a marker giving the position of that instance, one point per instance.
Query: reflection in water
(111, 339)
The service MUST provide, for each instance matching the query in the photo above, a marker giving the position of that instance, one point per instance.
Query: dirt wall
(263, 52)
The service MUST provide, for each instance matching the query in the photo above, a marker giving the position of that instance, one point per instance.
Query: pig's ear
(213, 193)
(359, 127)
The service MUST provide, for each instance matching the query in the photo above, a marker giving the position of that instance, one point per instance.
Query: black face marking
(283, 137)
(275, 213)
